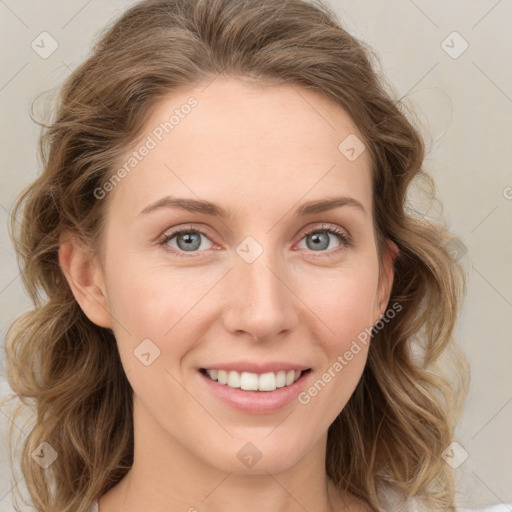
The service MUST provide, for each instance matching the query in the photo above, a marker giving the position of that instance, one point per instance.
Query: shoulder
(94, 507)
(394, 501)
(503, 507)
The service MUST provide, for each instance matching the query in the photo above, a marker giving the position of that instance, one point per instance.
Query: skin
(259, 152)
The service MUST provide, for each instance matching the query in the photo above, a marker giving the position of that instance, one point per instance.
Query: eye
(318, 239)
(187, 240)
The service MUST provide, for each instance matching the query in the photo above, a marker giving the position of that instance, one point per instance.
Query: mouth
(248, 381)
(255, 393)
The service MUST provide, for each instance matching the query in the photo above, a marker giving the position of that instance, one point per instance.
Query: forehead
(231, 140)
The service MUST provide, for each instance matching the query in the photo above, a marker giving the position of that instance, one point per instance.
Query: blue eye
(189, 240)
(319, 237)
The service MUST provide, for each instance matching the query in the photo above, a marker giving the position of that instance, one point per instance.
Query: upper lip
(253, 367)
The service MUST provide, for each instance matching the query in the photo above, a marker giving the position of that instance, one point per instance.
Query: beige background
(464, 99)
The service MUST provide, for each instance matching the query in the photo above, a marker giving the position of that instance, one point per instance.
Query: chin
(260, 455)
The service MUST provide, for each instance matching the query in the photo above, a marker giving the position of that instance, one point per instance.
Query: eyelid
(343, 235)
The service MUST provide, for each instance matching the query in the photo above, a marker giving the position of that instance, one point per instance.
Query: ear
(85, 278)
(386, 278)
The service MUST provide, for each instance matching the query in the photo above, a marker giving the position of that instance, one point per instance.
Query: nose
(260, 299)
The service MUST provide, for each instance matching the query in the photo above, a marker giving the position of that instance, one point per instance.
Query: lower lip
(256, 402)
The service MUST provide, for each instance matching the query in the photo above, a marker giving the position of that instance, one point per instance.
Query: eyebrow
(209, 208)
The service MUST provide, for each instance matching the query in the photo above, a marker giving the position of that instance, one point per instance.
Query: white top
(395, 501)
(413, 506)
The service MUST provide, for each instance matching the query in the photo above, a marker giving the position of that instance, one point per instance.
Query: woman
(241, 310)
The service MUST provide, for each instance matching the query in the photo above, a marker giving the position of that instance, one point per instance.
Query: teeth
(233, 380)
(267, 382)
(254, 382)
(280, 379)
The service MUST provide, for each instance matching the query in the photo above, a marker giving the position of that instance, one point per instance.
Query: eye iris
(319, 239)
(192, 241)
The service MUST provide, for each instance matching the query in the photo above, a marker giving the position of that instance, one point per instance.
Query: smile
(249, 381)
(262, 396)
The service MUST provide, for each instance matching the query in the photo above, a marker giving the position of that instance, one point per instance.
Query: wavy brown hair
(403, 411)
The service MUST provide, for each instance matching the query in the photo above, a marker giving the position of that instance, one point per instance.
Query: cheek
(345, 306)
(152, 298)
(156, 304)
(344, 301)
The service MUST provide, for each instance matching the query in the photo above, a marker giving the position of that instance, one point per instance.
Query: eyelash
(344, 238)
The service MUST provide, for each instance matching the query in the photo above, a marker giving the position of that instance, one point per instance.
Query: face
(268, 280)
